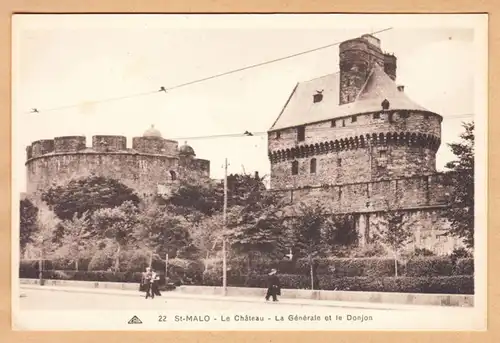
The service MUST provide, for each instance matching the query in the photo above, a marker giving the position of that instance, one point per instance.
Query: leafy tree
(87, 195)
(163, 231)
(394, 233)
(115, 227)
(339, 235)
(460, 178)
(256, 226)
(46, 224)
(78, 240)
(28, 222)
(309, 224)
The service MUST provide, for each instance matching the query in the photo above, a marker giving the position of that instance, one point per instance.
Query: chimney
(257, 175)
(401, 88)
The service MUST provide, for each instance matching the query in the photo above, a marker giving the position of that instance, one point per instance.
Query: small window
(173, 175)
(354, 119)
(317, 97)
(301, 133)
(382, 153)
(278, 134)
(339, 162)
(295, 167)
(376, 115)
(313, 166)
(333, 123)
(343, 122)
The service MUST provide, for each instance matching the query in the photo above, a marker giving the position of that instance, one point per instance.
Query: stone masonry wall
(396, 144)
(140, 172)
(405, 193)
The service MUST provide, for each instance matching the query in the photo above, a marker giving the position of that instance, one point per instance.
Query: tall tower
(356, 59)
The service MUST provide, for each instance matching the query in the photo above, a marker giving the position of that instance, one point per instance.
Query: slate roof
(300, 108)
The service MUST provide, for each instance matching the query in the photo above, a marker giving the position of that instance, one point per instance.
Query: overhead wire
(166, 89)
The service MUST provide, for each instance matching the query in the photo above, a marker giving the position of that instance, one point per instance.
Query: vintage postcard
(249, 172)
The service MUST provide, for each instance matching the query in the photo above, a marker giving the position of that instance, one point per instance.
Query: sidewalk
(177, 295)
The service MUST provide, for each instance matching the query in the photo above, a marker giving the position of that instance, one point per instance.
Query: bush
(100, 261)
(429, 266)
(369, 250)
(423, 252)
(439, 284)
(464, 266)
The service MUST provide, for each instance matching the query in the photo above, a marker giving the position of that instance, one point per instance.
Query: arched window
(313, 166)
(173, 175)
(295, 167)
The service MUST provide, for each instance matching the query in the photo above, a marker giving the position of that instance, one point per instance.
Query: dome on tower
(186, 150)
(152, 132)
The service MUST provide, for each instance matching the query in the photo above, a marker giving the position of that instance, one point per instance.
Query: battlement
(109, 143)
(155, 145)
(69, 143)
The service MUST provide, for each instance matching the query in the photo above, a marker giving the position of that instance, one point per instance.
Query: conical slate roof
(300, 108)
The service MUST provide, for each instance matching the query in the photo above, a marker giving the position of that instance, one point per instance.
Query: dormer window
(301, 133)
(318, 96)
(333, 123)
(278, 134)
(343, 122)
(354, 119)
(385, 104)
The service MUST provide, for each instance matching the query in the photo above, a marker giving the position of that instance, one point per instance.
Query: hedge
(429, 266)
(440, 284)
(464, 266)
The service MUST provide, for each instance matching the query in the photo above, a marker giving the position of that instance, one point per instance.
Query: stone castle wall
(374, 146)
(60, 160)
(421, 198)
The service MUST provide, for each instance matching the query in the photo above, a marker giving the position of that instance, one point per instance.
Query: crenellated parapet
(154, 145)
(42, 147)
(152, 165)
(403, 139)
(69, 143)
(109, 143)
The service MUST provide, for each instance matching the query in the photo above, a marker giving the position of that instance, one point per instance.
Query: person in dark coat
(273, 286)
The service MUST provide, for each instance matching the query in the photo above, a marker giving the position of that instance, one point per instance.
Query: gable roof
(300, 108)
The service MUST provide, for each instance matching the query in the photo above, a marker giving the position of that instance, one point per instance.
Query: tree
(308, 225)
(28, 222)
(394, 233)
(460, 178)
(115, 227)
(340, 235)
(46, 224)
(77, 240)
(87, 195)
(256, 226)
(163, 231)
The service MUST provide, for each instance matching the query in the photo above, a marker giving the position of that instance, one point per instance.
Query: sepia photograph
(249, 172)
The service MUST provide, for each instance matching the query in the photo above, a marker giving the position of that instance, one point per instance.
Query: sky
(63, 64)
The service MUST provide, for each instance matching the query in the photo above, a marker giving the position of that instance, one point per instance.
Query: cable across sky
(162, 89)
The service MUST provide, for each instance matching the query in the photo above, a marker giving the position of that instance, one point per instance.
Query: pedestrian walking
(146, 282)
(273, 286)
(155, 280)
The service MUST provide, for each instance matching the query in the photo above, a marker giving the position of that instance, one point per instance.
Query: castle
(151, 166)
(357, 142)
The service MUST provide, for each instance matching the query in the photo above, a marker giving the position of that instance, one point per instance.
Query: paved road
(33, 299)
